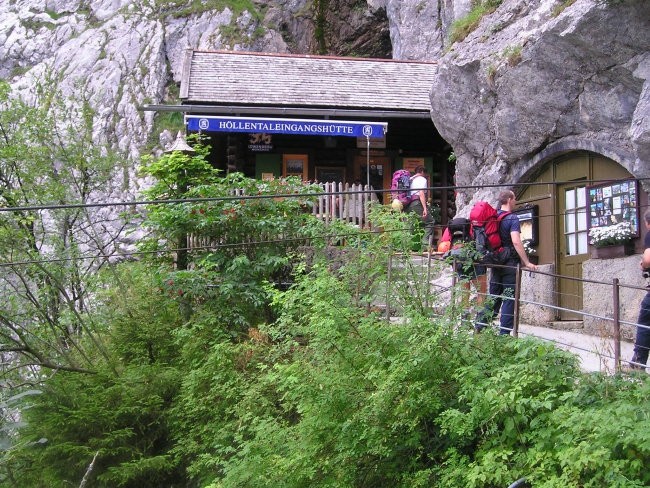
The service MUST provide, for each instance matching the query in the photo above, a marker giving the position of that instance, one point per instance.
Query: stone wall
(598, 297)
(537, 288)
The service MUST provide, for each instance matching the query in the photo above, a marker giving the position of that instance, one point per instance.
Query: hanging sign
(305, 127)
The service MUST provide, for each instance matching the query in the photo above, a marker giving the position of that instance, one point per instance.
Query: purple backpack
(400, 186)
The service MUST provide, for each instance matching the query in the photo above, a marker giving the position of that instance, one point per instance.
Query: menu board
(611, 203)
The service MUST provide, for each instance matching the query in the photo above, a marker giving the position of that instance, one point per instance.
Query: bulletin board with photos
(529, 223)
(611, 203)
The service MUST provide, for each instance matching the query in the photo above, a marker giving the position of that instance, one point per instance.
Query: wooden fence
(342, 201)
(339, 201)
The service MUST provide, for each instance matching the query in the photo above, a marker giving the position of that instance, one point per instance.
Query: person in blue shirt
(503, 278)
(642, 339)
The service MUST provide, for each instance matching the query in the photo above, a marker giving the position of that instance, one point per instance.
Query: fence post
(616, 290)
(454, 281)
(515, 312)
(428, 292)
(390, 266)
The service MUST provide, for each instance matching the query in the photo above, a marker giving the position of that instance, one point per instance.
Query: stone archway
(559, 191)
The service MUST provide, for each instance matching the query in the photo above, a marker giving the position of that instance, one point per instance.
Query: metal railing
(615, 321)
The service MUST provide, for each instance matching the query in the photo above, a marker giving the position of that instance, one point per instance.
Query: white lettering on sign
(247, 126)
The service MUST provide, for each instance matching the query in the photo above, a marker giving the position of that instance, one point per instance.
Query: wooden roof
(257, 79)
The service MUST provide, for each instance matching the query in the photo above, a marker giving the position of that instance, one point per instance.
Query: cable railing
(611, 335)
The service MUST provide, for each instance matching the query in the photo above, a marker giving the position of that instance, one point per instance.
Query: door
(572, 248)
(380, 174)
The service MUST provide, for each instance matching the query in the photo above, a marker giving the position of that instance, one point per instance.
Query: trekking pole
(515, 323)
(617, 324)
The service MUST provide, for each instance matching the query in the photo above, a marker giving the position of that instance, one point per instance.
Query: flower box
(612, 252)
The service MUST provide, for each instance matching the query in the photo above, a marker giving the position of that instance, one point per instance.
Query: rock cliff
(539, 78)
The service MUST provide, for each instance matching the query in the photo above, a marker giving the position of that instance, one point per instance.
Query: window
(575, 221)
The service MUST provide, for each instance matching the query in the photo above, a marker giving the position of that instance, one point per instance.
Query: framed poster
(529, 222)
(611, 203)
(330, 174)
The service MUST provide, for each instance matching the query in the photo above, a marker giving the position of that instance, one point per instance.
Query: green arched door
(563, 220)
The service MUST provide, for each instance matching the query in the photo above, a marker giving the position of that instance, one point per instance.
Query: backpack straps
(500, 218)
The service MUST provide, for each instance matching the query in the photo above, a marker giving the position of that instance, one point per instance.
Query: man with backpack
(418, 204)
(503, 278)
(457, 238)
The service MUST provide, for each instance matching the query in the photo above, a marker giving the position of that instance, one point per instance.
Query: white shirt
(418, 183)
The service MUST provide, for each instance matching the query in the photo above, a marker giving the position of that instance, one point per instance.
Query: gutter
(286, 111)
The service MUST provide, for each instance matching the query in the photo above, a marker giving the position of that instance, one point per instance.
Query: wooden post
(388, 277)
(454, 282)
(617, 323)
(515, 322)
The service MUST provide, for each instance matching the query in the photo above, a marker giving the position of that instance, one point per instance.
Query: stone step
(566, 325)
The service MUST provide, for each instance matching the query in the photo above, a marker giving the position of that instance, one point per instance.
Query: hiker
(458, 237)
(418, 204)
(503, 278)
(642, 339)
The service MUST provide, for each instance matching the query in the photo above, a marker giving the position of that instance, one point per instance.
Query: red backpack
(486, 222)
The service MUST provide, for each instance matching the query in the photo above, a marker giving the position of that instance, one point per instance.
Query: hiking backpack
(400, 186)
(485, 222)
(460, 231)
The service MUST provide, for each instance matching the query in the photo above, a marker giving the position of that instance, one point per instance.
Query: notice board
(611, 203)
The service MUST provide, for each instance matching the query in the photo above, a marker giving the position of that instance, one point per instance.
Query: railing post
(454, 281)
(388, 277)
(515, 312)
(616, 290)
(426, 304)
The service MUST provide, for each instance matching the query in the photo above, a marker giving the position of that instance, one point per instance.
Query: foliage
(119, 413)
(561, 6)
(51, 242)
(462, 27)
(335, 396)
(611, 235)
(512, 54)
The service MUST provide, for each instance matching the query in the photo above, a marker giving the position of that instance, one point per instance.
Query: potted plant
(612, 240)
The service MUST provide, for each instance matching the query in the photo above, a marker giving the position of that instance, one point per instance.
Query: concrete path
(596, 353)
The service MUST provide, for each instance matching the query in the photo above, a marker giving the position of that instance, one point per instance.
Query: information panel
(611, 203)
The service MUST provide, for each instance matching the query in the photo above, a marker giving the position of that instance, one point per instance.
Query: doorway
(563, 220)
(380, 174)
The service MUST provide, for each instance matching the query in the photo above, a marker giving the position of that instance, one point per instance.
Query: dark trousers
(500, 298)
(427, 222)
(642, 340)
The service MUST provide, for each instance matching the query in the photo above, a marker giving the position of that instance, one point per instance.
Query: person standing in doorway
(503, 278)
(418, 204)
(642, 339)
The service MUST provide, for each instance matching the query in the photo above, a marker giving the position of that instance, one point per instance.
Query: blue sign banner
(304, 127)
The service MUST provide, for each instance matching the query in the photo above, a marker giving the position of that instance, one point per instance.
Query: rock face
(529, 83)
(535, 78)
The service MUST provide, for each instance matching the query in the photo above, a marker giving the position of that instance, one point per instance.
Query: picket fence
(339, 201)
(346, 202)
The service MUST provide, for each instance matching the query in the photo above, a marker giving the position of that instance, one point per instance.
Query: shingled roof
(279, 80)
